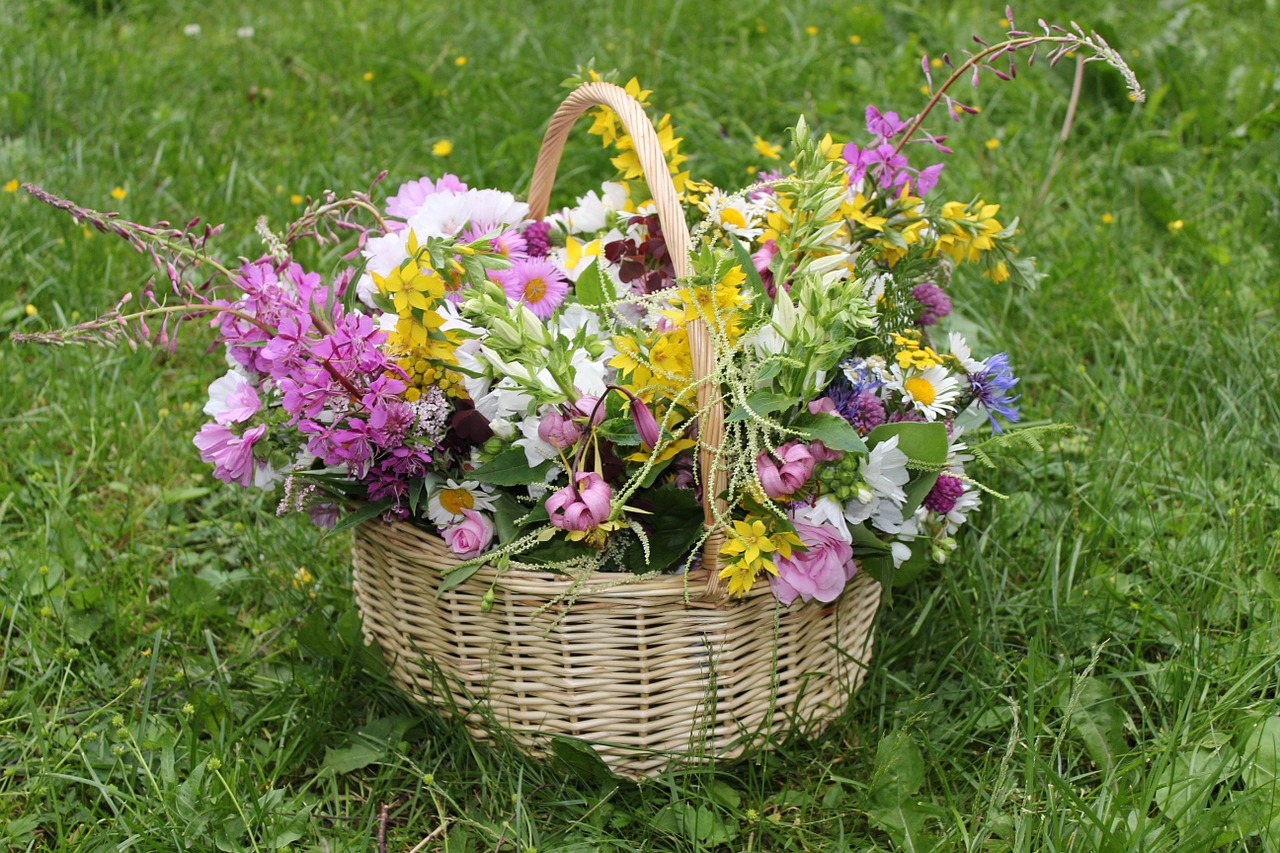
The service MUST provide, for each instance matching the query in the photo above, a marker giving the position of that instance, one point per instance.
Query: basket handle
(676, 233)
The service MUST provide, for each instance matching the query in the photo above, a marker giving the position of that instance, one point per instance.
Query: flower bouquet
(612, 477)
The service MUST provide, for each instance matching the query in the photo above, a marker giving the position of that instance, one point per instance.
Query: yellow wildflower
(11, 186)
(460, 61)
(367, 76)
(295, 199)
(811, 30)
(992, 144)
(766, 149)
(1107, 219)
(119, 193)
(443, 148)
(855, 39)
(1175, 226)
(754, 544)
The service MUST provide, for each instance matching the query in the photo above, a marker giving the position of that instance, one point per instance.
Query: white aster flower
(445, 505)
(445, 214)
(503, 400)
(931, 391)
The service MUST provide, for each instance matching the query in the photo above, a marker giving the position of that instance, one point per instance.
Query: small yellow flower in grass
(925, 90)
(367, 76)
(751, 170)
(1175, 226)
(12, 186)
(119, 193)
(1004, 22)
(813, 31)
(1107, 219)
(935, 63)
(295, 199)
(855, 39)
(761, 28)
(301, 577)
(443, 148)
(31, 310)
(146, 653)
(766, 149)
(87, 232)
(460, 61)
(992, 144)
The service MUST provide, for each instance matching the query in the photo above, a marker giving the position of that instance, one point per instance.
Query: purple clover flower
(933, 300)
(944, 494)
(991, 386)
(857, 403)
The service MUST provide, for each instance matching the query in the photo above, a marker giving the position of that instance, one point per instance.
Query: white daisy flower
(824, 512)
(733, 215)
(445, 505)
(960, 349)
(931, 391)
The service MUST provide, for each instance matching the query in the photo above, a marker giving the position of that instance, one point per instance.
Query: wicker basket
(649, 673)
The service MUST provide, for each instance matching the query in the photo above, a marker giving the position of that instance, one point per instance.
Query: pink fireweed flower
(232, 399)
(469, 537)
(536, 284)
(582, 506)
(558, 431)
(785, 470)
(820, 572)
(231, 455)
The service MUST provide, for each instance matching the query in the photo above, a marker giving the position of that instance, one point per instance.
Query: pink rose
(469, 537)
(785, 470)
(818, 573)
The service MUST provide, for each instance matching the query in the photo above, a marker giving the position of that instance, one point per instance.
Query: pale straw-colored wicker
(651, 672)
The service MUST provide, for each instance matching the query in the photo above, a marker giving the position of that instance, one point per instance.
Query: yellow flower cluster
(605, 125)
(720, 309)
(972, 230)
(913, 353)
(752, 543)
(421, 349)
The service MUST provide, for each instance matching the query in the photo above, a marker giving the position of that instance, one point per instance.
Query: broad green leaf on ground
(1098, 720)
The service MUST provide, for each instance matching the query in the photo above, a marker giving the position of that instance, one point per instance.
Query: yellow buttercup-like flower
(754, 544)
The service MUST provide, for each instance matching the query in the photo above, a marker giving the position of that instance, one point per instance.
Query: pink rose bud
(558, 431)
(785, 474)
(469, 537)
(582, 508)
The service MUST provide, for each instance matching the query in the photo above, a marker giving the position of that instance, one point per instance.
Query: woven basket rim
(552, 585)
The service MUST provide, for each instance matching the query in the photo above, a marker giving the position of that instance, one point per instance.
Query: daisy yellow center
(456, 500)
(535, 290)
(921, 390)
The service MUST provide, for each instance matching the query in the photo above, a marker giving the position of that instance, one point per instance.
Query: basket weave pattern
(647, 671)
(634, 669)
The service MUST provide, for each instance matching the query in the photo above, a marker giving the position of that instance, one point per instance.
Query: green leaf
(360, 515)
(581, 759)
(832, 430)
(1099, 722)
(1261, 752)
(895, 805)
(453, 577)
(744, 260)
(672, 529)
(593, 287)
(923, 443)
(762, 402)
(511, 468)
(1184, 788)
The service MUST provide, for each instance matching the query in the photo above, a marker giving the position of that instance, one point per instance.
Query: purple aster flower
(536, 239)
(509, 242)
(536, 284)
(991, 387)
(933, 300)
(944, 494)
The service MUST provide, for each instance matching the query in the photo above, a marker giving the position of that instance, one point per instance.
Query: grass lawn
(1096, 669)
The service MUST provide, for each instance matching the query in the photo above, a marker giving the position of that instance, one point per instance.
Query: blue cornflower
(991, 387)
